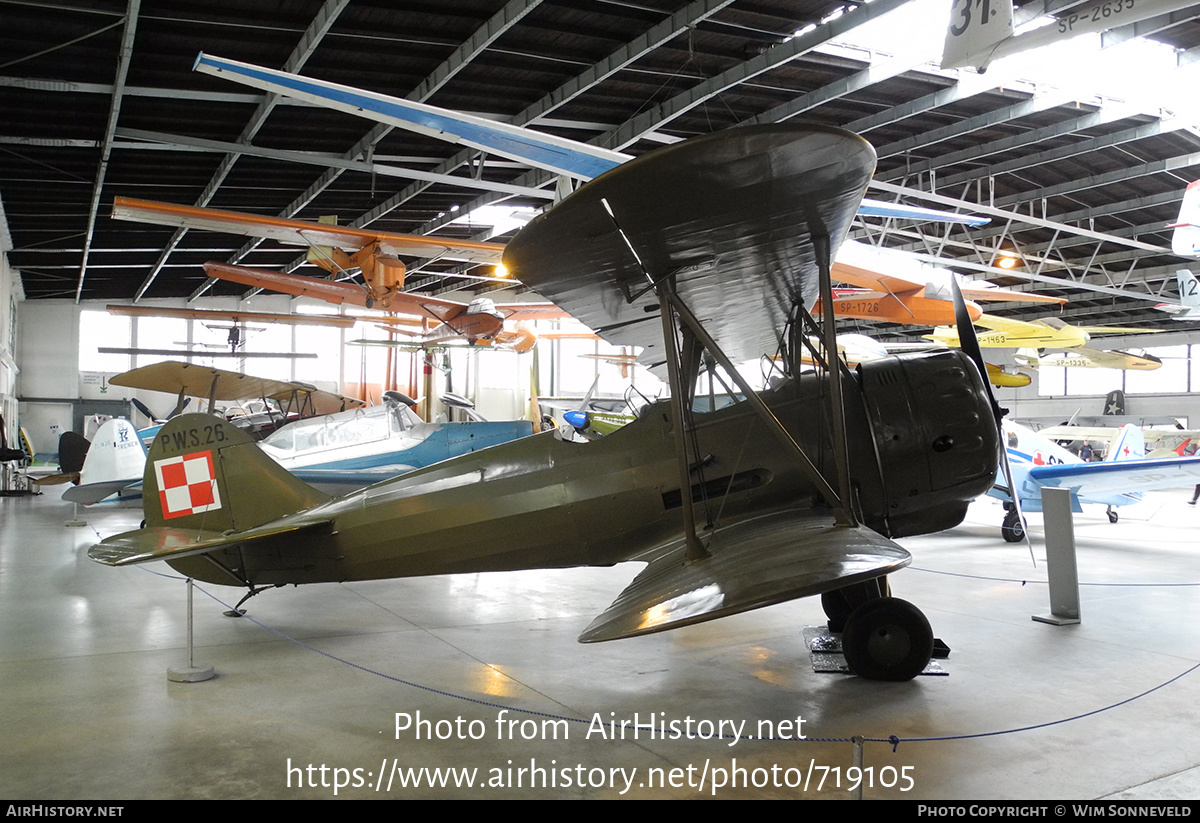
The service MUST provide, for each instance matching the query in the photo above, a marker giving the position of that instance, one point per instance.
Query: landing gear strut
(1112, 515)
(839, 603)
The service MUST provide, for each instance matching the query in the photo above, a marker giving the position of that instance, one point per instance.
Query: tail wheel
(1012, 528)
(887, 639)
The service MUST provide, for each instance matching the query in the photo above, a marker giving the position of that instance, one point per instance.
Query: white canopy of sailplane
(562, 156)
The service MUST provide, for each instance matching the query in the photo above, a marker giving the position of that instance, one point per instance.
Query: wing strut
(681, 416)
(671, 306)
(837, 412)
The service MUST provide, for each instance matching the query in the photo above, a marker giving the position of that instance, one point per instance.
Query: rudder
(205, 473)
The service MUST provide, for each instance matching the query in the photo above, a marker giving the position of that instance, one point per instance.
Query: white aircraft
(1186, 240)
(1119, 480)
(114, 465)
(982, 31)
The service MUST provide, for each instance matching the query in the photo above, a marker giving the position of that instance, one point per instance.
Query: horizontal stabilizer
(167, 543)
(90, 493)
(754, 563)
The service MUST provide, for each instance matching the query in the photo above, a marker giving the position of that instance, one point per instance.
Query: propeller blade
(970, 345)
(140, 406)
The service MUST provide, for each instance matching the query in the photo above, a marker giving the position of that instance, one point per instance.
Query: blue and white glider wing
(878, 208)
(556, 154)
(546, 151)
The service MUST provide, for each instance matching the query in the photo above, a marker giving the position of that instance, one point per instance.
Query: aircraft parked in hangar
(711, 247)
(347, 451)
(1119, 480)
(115, 463)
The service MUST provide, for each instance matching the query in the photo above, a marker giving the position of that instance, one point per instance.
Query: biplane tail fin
(1186, 240)
(206, 474)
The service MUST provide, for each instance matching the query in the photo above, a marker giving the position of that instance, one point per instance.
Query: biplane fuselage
(542, 502)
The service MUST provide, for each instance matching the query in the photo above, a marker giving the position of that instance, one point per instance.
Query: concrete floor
(320, 672)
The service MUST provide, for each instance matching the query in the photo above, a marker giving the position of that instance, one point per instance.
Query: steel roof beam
(654, 37)
(309, 40)
(486, 34)
(114, 111)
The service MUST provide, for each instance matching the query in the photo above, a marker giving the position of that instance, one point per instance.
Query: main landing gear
(1013, 529)
(883, 637)
(1112, 514)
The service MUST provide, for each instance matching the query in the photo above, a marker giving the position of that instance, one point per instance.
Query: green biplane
(706, 250)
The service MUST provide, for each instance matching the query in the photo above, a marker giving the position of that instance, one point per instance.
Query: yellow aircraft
(1050, 333)
(1091, 359)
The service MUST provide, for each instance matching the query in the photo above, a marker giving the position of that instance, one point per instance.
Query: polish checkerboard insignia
(187, 484)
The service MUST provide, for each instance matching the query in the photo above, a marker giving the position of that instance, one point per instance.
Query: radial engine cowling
(935, 438)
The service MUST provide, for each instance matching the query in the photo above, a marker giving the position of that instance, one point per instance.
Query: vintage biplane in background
(281, 400)
(711, 248)
(235, 323)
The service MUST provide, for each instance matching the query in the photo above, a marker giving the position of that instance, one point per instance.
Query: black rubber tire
(1112, 517)
(1012, 529)
(887, 639)
(839, 603)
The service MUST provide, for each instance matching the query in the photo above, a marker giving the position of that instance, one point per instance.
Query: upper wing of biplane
(739, 259)
(559, 155)
(304, 233)
(189, 379)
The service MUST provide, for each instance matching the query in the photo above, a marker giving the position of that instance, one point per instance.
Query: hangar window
(99, 328)
(1170, 378)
